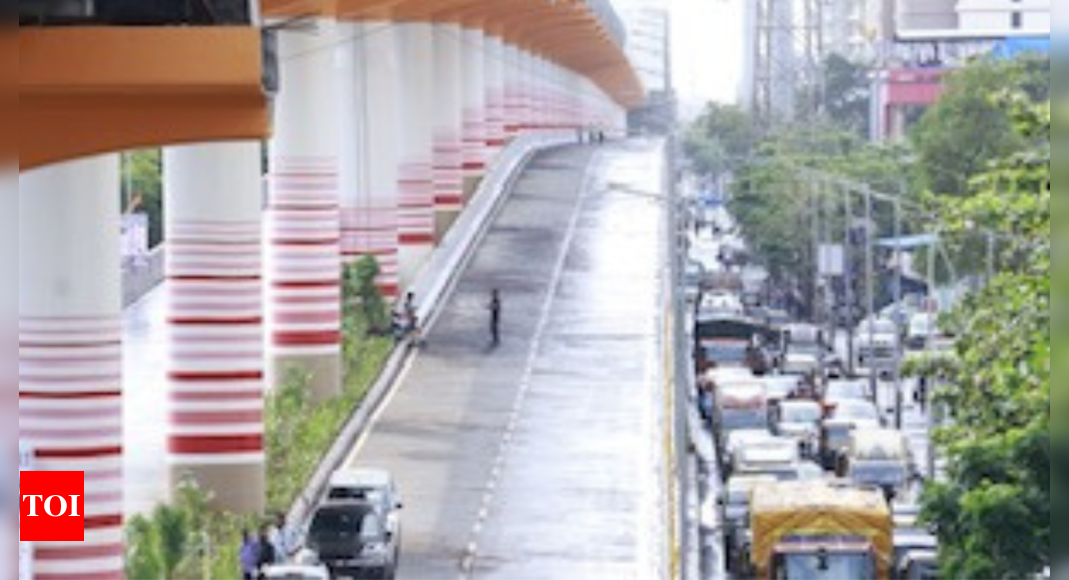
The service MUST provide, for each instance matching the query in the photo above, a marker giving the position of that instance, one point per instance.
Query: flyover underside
(541, 458)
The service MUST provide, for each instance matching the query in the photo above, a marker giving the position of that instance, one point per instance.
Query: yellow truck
(820, 531)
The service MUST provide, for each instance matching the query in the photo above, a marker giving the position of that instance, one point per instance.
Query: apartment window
(1017, 21)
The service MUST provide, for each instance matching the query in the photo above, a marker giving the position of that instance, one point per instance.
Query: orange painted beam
(91, 90)
(565, 31)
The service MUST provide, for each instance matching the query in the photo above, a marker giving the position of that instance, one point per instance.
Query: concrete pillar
(216, 332)
(371, 225)
(474, 110)
(415, 169)
(494, 50)
(448, 126)
(70, 351)
(513, 98)
(303, 234)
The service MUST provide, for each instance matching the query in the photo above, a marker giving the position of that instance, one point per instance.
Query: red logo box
(52, 506)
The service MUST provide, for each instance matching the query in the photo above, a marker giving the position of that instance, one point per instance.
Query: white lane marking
(467, 566)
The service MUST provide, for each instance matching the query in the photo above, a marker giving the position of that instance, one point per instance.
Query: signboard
(832, 260)
(26, 463)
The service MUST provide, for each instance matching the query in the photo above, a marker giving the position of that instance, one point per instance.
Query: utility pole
(848, 285)
(898, 309)
(870, 288)
(815, 201)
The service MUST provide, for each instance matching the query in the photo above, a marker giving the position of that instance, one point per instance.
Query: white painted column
(303, 221)
(448, 126)
(70, 351)
(495, 96)
(213, 196)
(9, 304)
(513, 92)
(474, 110)
(372, 224)
(415, 169)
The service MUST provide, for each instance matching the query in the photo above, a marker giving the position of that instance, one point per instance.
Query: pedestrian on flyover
(284, 540)
(249, 555)
(495, 316)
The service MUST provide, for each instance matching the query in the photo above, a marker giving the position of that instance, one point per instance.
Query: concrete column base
(471, 185)
(325, 373)
(239, 489)
(443, 222)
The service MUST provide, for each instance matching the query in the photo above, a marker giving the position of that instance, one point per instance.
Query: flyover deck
(542, 457)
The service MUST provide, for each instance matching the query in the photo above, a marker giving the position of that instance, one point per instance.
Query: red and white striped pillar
(494, 49)
(215, 321)
(415, 170)
(303, 221)
(370, 217)
(70, 352)
(448, 126)
(474, 110)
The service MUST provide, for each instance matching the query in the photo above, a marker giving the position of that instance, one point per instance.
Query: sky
(707, 47)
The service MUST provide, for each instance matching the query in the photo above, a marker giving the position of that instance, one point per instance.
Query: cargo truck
(820, 531)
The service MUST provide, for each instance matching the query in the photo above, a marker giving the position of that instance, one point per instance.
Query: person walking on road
(495, 317)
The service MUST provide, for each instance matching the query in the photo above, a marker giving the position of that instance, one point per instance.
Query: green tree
(773, 202)
(362, 292)
(142, 189)
(969, 128)
(720, 140)
(142, 550)
(993, 513)
(847, 91)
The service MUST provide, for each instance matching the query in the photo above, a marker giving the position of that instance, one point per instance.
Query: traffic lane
(581, 492)
(440, 432)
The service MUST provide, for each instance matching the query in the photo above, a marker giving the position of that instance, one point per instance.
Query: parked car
(352, 539)
(373, 486)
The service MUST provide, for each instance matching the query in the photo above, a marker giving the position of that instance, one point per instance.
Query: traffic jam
(817, 452)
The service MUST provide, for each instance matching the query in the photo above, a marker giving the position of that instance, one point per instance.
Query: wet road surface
(542, 457)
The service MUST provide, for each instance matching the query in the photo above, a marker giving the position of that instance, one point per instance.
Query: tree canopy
(720, 140)
(969, 128)
(993, 511)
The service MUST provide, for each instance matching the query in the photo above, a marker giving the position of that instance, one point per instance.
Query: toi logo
(52, 506)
